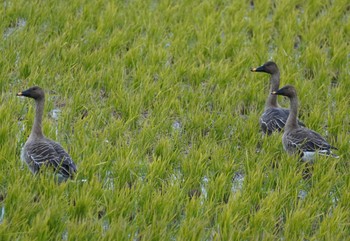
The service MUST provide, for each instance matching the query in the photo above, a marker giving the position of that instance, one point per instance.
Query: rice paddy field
(156, 104)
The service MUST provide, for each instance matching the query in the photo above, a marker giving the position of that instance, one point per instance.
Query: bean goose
(39, 150)
(301, 140)
(274, 117)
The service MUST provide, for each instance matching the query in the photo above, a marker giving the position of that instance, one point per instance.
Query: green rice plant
(156, 104)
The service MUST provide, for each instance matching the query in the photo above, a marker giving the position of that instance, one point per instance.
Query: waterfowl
(39, 150)
(298, 139)
(274, 117)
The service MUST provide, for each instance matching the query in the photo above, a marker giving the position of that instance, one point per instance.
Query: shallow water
(2, 213)
(20, 24)
(335, 199)
(55, 114)
(302, 194)
(65, 235)
(237, 182)
(204, 186)
(177, 126)
(105, 225)
(109, 181)
(21, 139)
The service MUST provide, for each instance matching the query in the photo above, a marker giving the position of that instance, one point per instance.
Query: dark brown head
(35, 92)
(287, 90)
(269, 67)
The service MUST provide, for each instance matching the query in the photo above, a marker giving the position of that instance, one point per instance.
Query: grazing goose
(297, 139)
(274, 117)
(38, 150)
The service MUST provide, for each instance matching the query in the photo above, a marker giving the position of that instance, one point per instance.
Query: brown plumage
(298, 139)
(274, 117)
(39, 150)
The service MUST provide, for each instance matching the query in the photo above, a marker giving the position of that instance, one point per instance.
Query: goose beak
(274, 93)
(19, 94)
(258, 69)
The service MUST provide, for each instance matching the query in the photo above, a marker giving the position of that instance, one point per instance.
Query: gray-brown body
(39, 150)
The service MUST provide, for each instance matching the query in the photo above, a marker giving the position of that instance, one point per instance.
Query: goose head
(288, 91)
(35, 93)
(269, 67)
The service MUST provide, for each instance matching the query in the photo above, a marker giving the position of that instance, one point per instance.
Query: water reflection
(109, 181)
(302, 194)
(65, 235)
(237, 182)
(2, 213)
(20, 24)
(204, 186)
(176, 125)
(55, 114)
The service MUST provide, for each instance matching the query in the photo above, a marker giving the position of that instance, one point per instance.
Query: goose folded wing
(43, 153)
(277, 118)
(274, 118)
(308, 140)
(278, 122)
(64, 156)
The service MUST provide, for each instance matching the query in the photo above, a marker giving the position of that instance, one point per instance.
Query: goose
(274, 117)
(301, 140)
(39, 150)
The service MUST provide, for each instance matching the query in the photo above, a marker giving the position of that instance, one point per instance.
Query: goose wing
(308, 140)
(51, 153)
(274, 119)
(63, 155)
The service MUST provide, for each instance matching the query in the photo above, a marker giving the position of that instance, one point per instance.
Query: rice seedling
(156, 104)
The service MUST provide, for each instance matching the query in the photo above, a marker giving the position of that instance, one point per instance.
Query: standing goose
(297, 139)
(38, 150)
(274, 117)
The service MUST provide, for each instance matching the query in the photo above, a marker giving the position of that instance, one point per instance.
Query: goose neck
(274, 86)
(37, 126)
(292, 121)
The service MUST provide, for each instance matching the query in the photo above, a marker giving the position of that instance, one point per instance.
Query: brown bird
(274, 117)
(298, 139)
(39, 150)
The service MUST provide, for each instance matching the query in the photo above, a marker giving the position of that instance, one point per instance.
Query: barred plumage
(39, 150)
(301, 140)
(274, 117)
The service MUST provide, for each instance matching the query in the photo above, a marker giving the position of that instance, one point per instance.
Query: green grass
(160, 113)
